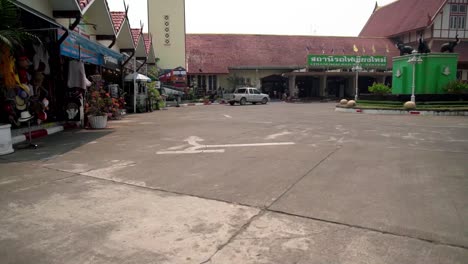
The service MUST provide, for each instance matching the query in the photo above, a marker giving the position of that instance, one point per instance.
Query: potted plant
(98, 106)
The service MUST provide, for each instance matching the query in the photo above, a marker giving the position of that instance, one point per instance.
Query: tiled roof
(401, 16)
(136, 35)
(117, 19)
(84, 3)
(148, 41)
(214, 53)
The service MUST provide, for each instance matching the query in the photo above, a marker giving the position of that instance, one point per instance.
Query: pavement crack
(370, 229)
(302, 177)
(242, 229)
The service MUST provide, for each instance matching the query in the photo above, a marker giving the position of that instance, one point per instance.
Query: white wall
(442, 24)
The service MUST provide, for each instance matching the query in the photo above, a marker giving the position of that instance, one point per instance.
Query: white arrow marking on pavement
(228, 116)
(198, 148)
(278, 135)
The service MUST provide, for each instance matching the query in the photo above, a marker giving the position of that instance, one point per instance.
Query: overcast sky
(281, 17)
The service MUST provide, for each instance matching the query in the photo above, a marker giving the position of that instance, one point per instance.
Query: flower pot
(5, 139)
(98, 121)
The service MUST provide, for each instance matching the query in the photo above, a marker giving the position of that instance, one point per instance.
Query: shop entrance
(308, 86)
(274, 85)
(336, 86)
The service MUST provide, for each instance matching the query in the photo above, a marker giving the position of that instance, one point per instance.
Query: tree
(11, 34)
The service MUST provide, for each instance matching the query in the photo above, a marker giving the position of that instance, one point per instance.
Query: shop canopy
(79, 47)
(75, 45)
(138, 77)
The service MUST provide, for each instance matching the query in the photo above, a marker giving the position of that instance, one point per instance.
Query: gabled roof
(215, 53)
(97, 13)
(148, 41)
(149, 47)
(136, 32)
(139, 42)
(117, 19)
(401, 16)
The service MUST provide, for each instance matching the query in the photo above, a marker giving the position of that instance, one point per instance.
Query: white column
(134, 84)
(323, 85)
(292, 85)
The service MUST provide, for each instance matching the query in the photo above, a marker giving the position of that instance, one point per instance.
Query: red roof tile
(117, 19)
(214, 53)
(148, 41)
(136, 35)
(401, 16)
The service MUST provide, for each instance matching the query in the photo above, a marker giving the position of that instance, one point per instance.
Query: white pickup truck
(247, 95)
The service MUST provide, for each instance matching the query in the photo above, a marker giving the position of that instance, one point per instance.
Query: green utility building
(433, 72)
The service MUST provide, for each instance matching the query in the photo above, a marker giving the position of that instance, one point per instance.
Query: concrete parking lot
(275, 183)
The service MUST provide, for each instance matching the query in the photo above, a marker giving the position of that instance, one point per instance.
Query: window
(241, 91)
(458, 16)
(255, 91)
(212, 82)
(457, 22)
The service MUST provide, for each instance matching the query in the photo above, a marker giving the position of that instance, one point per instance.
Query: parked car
(245, 95)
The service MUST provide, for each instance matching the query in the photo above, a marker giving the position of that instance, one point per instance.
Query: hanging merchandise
(23, 65)
(7, 67)
(77, 75)
(41, 59)
(22, 96)
(39, 103)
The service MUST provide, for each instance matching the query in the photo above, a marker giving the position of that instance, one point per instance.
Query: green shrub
(456, 87)
(380, 88)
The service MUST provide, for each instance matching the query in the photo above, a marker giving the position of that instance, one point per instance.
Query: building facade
(279, 64)
(167, 23)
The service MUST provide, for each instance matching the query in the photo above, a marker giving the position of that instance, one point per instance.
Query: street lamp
(357, 68)
(415, 59)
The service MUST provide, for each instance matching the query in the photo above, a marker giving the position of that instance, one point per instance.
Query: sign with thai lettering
(72, 47)
(346, 61)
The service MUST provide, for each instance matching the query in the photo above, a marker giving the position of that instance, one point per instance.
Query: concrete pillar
(381, 79)
(354, 84)
(323, 86)
(292, 85)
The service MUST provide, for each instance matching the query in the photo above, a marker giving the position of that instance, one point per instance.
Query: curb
(401, 112)
(43, 132)
(198, 104)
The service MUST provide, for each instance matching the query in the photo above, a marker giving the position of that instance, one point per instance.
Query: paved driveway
(276, 183)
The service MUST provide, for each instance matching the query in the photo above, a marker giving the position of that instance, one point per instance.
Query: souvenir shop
(90, 70)
(50, 76)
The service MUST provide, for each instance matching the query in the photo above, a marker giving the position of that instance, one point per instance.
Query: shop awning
(138, 77)
(78, 47)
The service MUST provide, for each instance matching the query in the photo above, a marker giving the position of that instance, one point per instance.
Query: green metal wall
(436, 70)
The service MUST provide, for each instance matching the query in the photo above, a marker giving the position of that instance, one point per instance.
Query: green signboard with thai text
(346, 61)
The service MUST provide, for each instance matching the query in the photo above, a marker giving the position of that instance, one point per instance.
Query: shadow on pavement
(54, 145)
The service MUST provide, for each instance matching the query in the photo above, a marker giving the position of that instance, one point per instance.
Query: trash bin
(5, 139)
